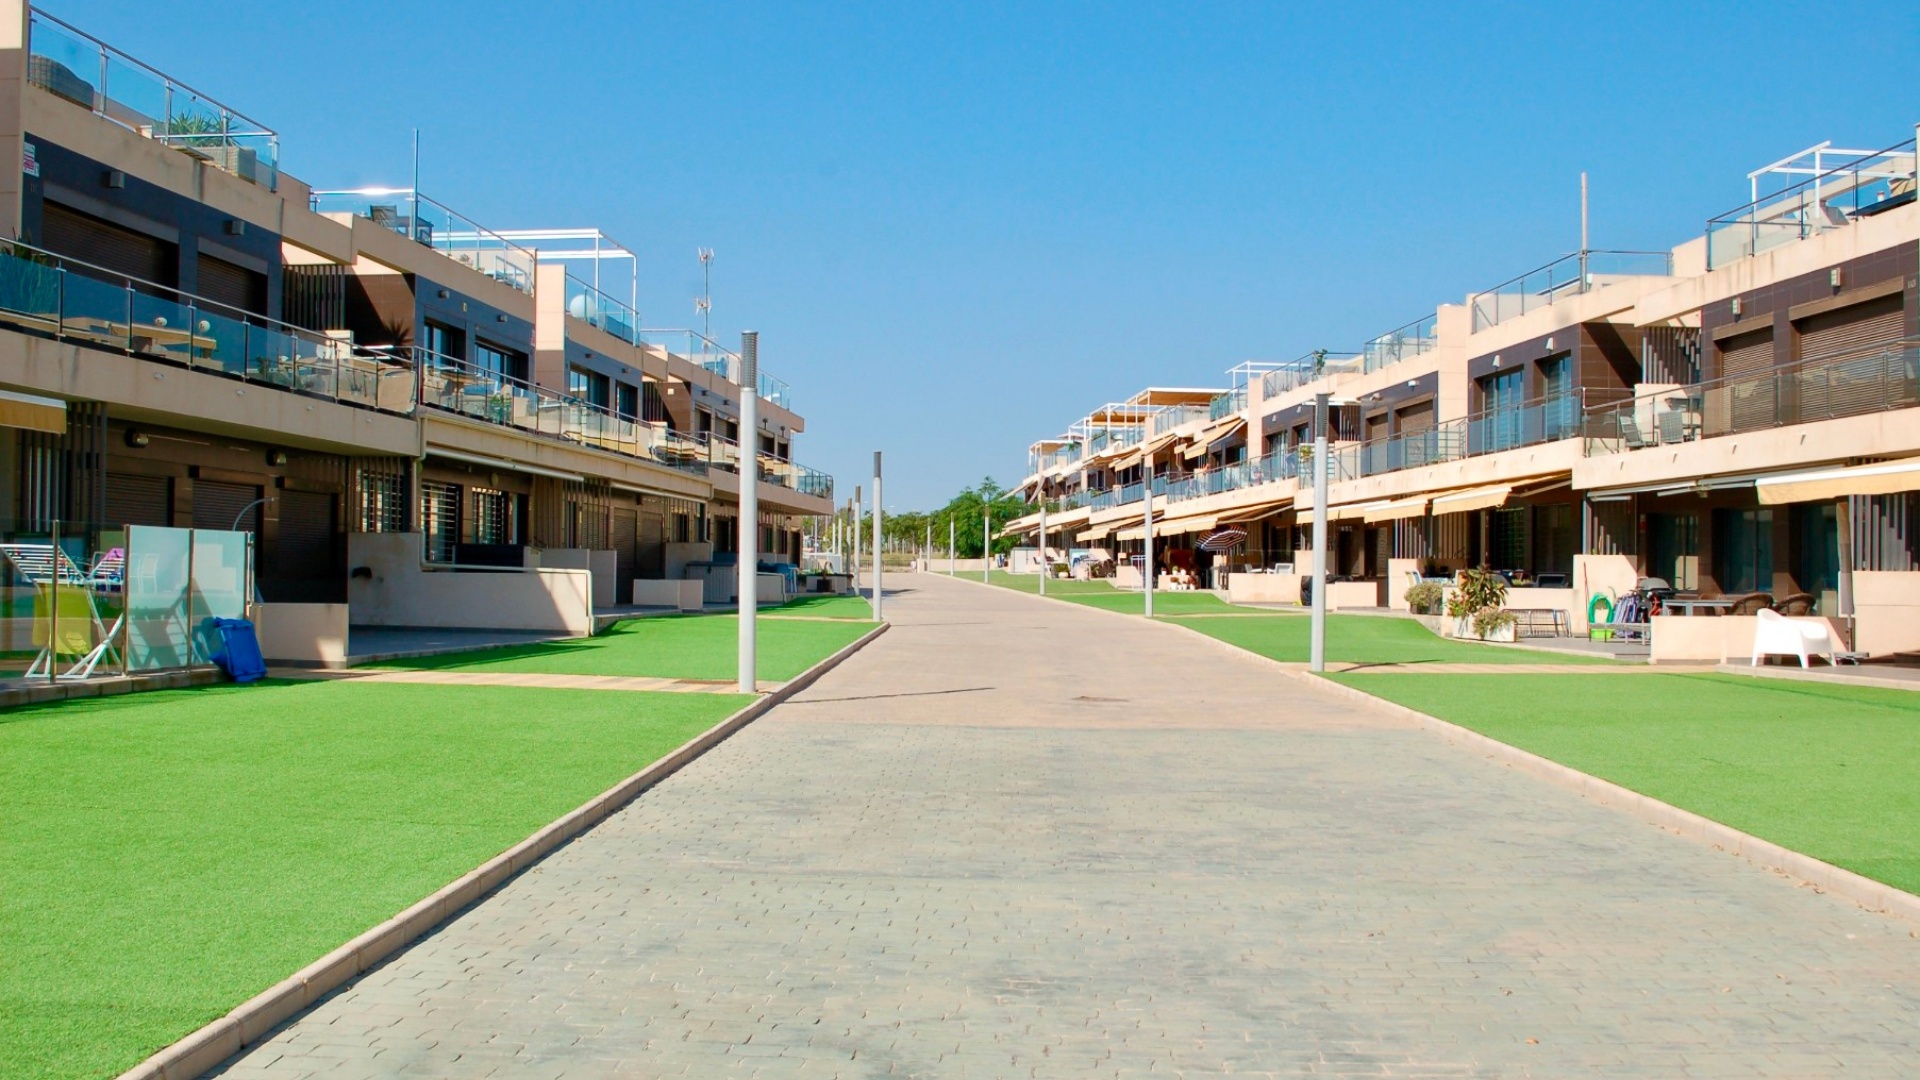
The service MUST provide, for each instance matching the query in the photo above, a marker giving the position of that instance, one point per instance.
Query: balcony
(1314, 366)
(1489, 431)
(1227, 404)
(1400, 344)
(1562, 279)
(1865, 183)
(697, 348)
(1855, 383)
(77, 67)
(434, 225)
(724, 454)
(456, 386)
(597, 309)
(1169, 417)
(68, 300)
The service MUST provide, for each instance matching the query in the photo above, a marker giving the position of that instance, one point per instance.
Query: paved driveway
(1018, 838)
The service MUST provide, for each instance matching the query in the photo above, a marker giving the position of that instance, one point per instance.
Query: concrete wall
(685, 595)
(1712, 638)
(1263, 589)
(771, 590)
(1352, 594)
(603, 565)
(1612, 576)
(1886, 606)
(403, 593)
(679, 555)
(308, 634)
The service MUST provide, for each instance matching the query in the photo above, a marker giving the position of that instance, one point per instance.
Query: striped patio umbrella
(1224, 540)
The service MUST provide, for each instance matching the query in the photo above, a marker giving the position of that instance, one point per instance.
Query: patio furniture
(1694, 605)
(1776, 635)
(1751, 604)
(66, 590)
(1528, 622)
(1795, 604)
(1630, 432)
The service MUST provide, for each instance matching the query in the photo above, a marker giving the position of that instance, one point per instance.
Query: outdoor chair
(1796, 604)
(1752, 604)
(1776, 635)
(1630, 432)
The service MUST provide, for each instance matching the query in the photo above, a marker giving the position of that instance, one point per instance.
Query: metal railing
(1314, 366)
(1855, 383)
(597, 309)
(697, 348)
(70, 300)
(435, 225)
(1489, 431)
(1828, 200)
(724, 454)
(1227, 404)
(1570, 275)
(1275, 466)
(1169, 417)
(1401, 343)
(69, 63)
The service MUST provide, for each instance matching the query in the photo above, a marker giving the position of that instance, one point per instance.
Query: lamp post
(950, 545)
(1043, 543)
(748, 575)
(876, 536)
(1146, 521)
(986, 543)
(1317, 649)
(853, 526)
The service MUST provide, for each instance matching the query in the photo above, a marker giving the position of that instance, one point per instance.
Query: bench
(1528, 622)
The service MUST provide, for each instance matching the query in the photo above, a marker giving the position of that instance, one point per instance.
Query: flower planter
(1462, 627)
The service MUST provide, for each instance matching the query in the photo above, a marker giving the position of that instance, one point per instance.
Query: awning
(1243, 514)
(1067, 519)
(1127, 461)
(1205, 438)
(1349, 512)
(1480, 498)
(1825, 484)
(503, 464)
(33, 413)
(1170, 527)
(1398, 509)
(1023, 524)
(1098, 532)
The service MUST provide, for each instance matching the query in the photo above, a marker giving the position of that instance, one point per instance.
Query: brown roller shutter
(308, 529)
(1747, 399)
(1416, 418)
(235, 286)
(1852, 330)
(138, 500)
(104, 244)
(651, 558)
(216, 504)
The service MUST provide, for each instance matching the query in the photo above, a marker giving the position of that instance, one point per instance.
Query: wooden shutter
(652, 552)
(235, 286)
(138, 500)
(1747, 398)
(626, 531)
(106, 245)
(1860, 328)
(216, 504)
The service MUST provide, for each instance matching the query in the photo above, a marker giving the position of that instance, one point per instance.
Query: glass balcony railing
(1565, 277)
(697, 348)
(1173, 416)
(71, 64)
(1227, 404)
(48, 294)
(434, 225)
(724, 454)
(1311, 368)
(1403, 343)
(1830, 199)
(597, 309)
(1855, 383)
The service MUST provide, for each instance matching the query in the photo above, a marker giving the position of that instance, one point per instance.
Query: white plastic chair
(1776, 635)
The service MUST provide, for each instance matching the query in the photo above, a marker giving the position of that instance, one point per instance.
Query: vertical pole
(926, 550)
(1583, 232)
(748, 575)
(1317, 653)
(1044, 568)
(1844, 541)
(876, 536)
(1146, 522)
(53, 608)
(986, 544)
(950, 544)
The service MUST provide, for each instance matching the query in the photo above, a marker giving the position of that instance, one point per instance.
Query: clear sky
(958, 227)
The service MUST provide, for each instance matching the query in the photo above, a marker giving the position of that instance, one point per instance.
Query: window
(589, 386)
(1553, 539)
(1816, 557)
(1498, 427)
(1675, 540)
(627, 401)
(1556, 378)
(1507, 539)
(383, 505)
(653, 406)
(444, 340)
(492, 517)
(439, 520)
(500, 360)
(1743, 549)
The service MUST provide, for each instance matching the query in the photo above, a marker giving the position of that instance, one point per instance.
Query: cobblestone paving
(1015, 838)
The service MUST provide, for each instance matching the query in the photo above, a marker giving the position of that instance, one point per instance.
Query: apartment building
(1736, 416)
(421, 420)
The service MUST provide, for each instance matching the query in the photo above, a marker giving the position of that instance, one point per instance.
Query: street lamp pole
(876, 536)
(1317, 649)
(747, 575)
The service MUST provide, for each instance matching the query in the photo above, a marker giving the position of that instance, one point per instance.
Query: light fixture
(1412, 383)
(500, 318)
(114, 178)
(1835, 276)
(1496, 359)
(236, 227)
(1736, 307)
(443, 294)
(276, 458)
(1549, 344)
(137, 439)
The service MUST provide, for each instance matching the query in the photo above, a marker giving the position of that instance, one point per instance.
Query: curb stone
(1817, 874)
(201, 1051)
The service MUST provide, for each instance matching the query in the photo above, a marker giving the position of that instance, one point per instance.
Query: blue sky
(959, 227)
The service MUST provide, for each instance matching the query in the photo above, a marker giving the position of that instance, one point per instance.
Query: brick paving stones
(1016, 838)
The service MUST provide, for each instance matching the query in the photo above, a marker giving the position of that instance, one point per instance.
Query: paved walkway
(1019, 838)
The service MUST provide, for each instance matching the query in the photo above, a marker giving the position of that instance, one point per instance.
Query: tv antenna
(703, 304)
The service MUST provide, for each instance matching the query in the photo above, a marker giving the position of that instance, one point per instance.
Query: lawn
(170, 854)
(821, 606)
(1100, 594)
(1366, 639)
(668, 647)
(1822, 769)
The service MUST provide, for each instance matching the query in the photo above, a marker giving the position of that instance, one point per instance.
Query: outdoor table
(1693, 605)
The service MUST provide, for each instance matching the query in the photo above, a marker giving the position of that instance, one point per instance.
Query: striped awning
(1480, 498)
(1171, 527)
(1824, 484)
(1398, 509)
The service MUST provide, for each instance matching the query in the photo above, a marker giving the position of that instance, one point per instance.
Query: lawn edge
(1821, 876)
(212, 1045)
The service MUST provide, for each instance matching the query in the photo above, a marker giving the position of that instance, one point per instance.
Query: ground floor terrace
(1021, 837)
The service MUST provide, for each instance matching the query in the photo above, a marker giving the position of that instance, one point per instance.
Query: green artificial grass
(1101, 594)
(825, 607)
(666, 647)
(1822, 769)
(171, 854)
(1367, 639)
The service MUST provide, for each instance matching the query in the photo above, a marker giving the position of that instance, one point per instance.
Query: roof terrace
(1814, 191)
(71, 64)
(435, 225)
(1564, 278)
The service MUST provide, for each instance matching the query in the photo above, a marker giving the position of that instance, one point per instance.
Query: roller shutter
(138, 500)
(235, 286)
(625, 534)
(1748, 399)
(104, 244)
(216, 504)
(308, 532)
(1857, 329)
(651, 556)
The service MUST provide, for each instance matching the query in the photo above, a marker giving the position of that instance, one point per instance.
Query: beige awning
(1067, 519)
(1128, 461)
(33, 413)
(1480, 498)
(1025, 523)
(1204, 439)
(1171, 527)
(1243, 514)
(1823, 484)
(1096, 533)
(1398, 509)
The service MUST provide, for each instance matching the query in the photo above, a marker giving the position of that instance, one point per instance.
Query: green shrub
(1426, 597)
(1477, 591)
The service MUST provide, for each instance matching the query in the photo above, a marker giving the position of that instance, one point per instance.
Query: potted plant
(1475, 607)
(1426, 598)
